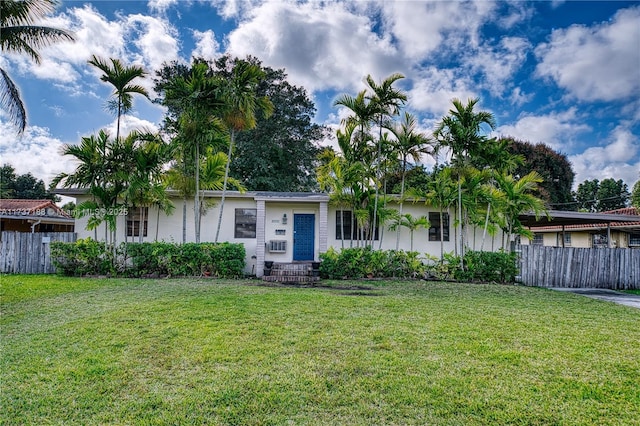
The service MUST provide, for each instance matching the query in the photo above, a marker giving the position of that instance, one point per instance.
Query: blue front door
(303, 236)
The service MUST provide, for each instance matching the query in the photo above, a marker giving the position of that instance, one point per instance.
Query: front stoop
(292, 273)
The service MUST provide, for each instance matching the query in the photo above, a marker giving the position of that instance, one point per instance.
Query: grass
(632, 291)
(153, 352)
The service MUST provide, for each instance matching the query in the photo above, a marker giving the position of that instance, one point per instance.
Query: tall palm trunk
(157, 225)
(441, 235)
(226, 179)
(196, 207)
(377, 183)
(486, 225)
(141, 226)
(460, 223)
(184, 219)
(404, 167)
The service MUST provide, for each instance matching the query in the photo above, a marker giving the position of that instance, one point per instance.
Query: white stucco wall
(170, 228)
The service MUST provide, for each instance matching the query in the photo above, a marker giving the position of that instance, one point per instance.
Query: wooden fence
(611, 268)
(27, 253)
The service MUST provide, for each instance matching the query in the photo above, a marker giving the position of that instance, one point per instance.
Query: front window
(136, 217)
(538, 239)
(245, 223)
(567, 239)
(347, 229)
(600, 241)
(434, 230)
(634, 239)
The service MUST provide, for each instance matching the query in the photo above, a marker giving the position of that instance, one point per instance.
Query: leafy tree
(24, 186)
(121, 78)
(416, 176)
(554, 168)
(587, 195)
(69, 208)
(596, 196)
(19, 34)
(635, 195)
(612, 194)
(280, 153)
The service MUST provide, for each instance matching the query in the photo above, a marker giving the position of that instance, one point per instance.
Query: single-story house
(615, 228)
(34, 216)
(278, 226)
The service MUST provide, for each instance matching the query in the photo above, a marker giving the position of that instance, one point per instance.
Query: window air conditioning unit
(277, 246)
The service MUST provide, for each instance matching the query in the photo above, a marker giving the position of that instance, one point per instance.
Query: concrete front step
(291, 272)
(290, 279)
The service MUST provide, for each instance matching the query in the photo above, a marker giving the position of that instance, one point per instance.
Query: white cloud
(433, 89)
(619, 159)
(162, 5)
(35, 152)
(423, 27)
(156, 39)
(557, 130)
(320, 45)
(497, 64)
(129, 123)
(94, 35)
(595, 63)
(206, 44)
(229, 9)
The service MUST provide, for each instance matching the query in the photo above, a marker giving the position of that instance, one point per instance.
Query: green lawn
(92, 351)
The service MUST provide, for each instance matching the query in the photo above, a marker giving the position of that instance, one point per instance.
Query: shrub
(143, 259)
(361, 262)
(84, 257)
(487, 266)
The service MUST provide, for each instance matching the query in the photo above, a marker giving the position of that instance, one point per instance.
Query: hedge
(89, 257)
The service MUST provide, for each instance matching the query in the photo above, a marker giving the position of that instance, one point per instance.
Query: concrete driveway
(626, 299)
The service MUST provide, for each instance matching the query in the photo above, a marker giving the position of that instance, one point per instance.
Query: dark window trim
(351, 229)
(434, 230)
(133, 222)
(245, 223)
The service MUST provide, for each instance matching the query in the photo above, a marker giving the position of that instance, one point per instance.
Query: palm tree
(199, 101)
(145, 178)
(241, 104)
(386, 101)
(103, 168)
(331, 178)
(461, 132)
(408, 144)
(441, 193)
(121, 78)
(518, 198)
(411, 223)
(18, 34)
(89, 173)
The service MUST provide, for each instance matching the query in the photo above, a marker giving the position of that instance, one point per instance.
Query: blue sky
(565, 73)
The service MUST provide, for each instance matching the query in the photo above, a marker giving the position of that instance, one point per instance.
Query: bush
(487, 266)
(362, 262)
(84, 257)
(89, 257)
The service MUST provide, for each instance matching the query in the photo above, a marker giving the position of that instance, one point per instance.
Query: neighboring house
(34, 216)
(597, 230)
(277, 226)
